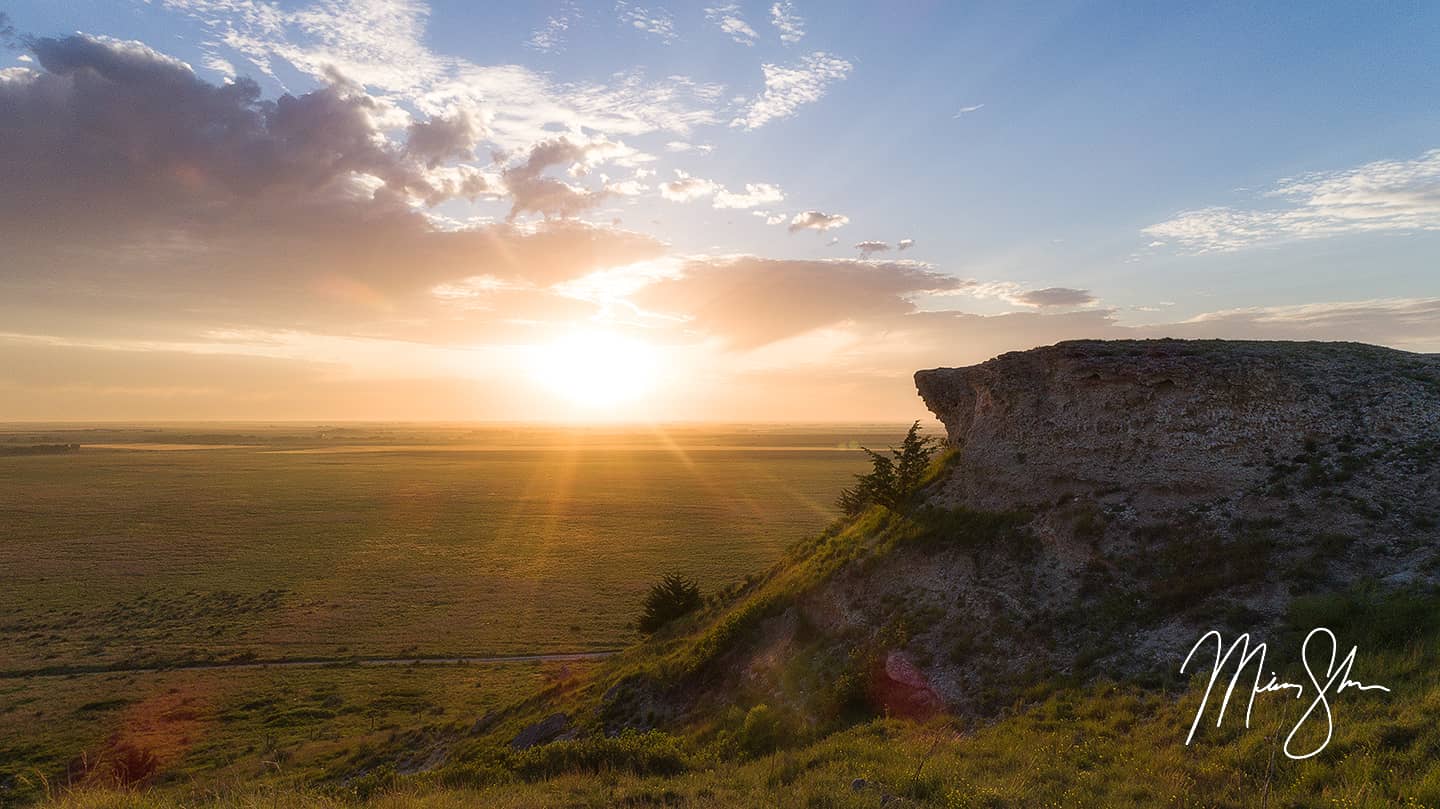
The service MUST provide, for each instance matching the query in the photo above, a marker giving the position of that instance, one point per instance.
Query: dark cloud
(533, 191)
(753, 301)
(138, 133)
(131, 184)
(1054, 297)
(438, 140)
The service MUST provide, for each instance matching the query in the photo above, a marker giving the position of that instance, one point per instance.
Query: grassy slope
(1099, 746)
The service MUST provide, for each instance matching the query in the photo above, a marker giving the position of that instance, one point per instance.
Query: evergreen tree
(669, 598)
(893, 479)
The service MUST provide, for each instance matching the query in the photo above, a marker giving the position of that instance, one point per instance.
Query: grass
(1103, 745)
(138, 557)
(269, 544)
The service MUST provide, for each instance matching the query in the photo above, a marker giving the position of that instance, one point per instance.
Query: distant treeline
(39, 449)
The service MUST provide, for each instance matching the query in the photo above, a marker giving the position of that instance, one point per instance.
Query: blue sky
(1067, 169)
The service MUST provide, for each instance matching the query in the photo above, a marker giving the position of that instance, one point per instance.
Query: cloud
(1052, 297)
(770, 217)
(789, 23)
(682, 146)
(1388, 196)
(787, 88)
(380, 45)
(817, 220)
(222, 66)
(550, 36)
(968, 110)
(657, 22)
(1403, 322)
(131, 185)
(754, 194)
(728, 18)
(904, 244)
(441, 139)
(1047, 298)
(868, 249)
(685, 188)
(753, 301)
(626, 188)
(533, 191)
(105, 117)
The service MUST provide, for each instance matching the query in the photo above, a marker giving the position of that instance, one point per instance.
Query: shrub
(668, 599)
(892, 481)
(762, 730)
(650, 753)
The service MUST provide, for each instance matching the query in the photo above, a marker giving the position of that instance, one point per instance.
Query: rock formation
(1104, 504)
(1179, 421)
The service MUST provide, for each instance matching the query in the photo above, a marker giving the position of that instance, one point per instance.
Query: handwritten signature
(1336, 680)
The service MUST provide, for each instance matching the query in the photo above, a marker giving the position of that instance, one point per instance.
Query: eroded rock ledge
(1169, 420)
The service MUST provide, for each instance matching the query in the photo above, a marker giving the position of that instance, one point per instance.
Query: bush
(892, 481)
(669, 598)
(762, 730)
(648, 753)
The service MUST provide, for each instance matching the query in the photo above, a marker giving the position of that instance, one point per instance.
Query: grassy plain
(173, 546)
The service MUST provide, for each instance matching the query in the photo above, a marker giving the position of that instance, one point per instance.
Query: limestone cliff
(1172, 422)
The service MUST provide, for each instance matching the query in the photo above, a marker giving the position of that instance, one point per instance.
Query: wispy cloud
(657, 22)
(787, 88)
(728, 18)
(968, 110)
(790, 24)
(380, 44)
(684, 146)
(1384, 196)
(551, 36)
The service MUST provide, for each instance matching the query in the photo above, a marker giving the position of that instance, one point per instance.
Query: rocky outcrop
(552, 728)
(1171, 421)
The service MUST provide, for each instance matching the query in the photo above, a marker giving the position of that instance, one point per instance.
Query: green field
(186, 545)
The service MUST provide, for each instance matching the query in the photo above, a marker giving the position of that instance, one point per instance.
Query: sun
(597, 369)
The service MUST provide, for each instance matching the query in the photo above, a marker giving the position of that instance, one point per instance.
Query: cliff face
(1171, 422)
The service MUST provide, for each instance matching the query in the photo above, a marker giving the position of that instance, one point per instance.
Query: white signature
(1337, 679)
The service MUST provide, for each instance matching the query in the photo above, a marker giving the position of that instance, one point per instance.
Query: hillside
(1103, 504)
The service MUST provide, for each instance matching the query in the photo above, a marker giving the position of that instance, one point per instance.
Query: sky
(626, 211)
